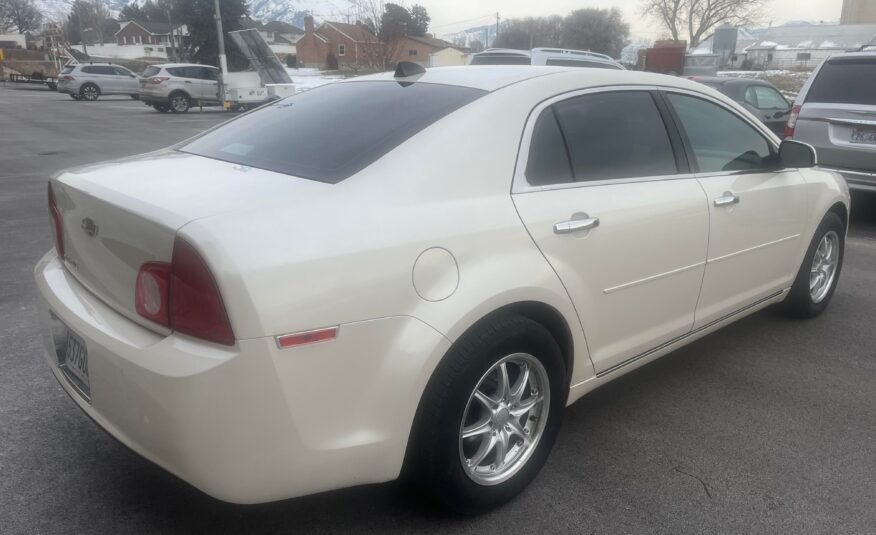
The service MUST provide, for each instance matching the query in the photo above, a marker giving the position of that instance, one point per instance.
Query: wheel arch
(176, 92)
(839, 208)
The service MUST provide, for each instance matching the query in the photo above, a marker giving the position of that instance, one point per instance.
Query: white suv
(88, 81)
(178, 86)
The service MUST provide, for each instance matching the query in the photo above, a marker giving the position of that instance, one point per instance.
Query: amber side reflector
(307, 337)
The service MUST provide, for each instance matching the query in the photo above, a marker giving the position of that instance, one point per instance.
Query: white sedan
(414, 274)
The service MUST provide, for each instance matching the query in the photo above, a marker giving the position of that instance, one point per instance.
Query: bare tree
(22, 15)
(699, 17)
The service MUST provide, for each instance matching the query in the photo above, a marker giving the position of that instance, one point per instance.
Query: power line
(490, 16)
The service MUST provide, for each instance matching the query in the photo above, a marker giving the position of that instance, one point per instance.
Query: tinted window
(209, 74)
(769, 99)
(548, 161)
(122, 72)
(333, 131)
(720, 140)
(500, 60)
(67, 70)
(151, 71)
(97, 69)
(615, 135)
(180, 72)
(845, 82)
(581, 63)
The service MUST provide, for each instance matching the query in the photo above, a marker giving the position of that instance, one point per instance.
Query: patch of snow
(306, 78)
(828, 44)
(805, 44)
(767, 43)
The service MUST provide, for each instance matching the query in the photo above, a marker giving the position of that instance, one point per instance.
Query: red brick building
(349, 46)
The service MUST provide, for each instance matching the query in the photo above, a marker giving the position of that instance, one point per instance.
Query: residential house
(133, 32)
(429, 51)
(793, 46)
(338, 45)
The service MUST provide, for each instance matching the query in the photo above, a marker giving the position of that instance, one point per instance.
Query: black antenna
(408, 68)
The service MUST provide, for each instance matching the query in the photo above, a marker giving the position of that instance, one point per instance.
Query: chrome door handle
(728, 199)
(575, 225)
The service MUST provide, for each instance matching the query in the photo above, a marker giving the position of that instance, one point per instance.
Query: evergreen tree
(202, 45)
(420, 20)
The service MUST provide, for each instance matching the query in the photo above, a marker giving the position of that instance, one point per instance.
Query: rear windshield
(334, 131)
(847, 81)
(500, 60)
(151, 71)
(67, 70)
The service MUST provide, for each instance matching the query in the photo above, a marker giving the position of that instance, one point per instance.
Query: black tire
(74, 96)
(163, 108)
(179, 102)
(135, 96)
(800, 302)
(434, 466)
(89, 92)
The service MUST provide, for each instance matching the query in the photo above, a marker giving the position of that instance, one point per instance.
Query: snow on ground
(305, 79)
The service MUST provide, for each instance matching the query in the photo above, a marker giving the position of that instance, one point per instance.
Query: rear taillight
(792, 121)
(67, 77)
(57, 222)
(158, 79)
(183, 296)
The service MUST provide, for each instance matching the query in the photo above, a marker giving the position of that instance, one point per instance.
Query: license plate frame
(863, 136)
(72, 353)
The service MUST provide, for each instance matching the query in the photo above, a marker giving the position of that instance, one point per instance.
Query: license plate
(864, 135)
(73, 361)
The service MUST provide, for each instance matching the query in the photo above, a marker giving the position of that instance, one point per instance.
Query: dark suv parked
(836, 113)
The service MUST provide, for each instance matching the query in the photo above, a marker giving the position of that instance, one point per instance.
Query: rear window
(151, 71)
(581, 63)
(334, 131)
(67, 70)
(847, 81)
(500, 60)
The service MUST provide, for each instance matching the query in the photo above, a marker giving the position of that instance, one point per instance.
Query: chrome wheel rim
(89, 92)
(179, 103)
(504, 419)
(824, 264)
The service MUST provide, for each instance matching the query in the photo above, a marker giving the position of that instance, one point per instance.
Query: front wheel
(489, 416)
(818, 276)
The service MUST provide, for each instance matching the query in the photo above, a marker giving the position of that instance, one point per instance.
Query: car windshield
(500, 60)
(845, 81)
(334, 131)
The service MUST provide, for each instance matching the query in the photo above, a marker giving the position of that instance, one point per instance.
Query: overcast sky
(449, 16)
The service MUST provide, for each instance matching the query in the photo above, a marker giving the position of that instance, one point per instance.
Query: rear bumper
(249, 423)
(152, 97)
(857, 180)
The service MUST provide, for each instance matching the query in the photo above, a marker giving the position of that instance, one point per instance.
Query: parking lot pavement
(766, 426)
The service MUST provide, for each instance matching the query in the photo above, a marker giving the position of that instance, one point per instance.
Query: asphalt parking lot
(768, 426)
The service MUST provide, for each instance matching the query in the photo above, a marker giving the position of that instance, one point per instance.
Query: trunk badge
(90, 227)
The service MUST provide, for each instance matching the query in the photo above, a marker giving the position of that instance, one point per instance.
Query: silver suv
(835, 112)
(561, 57)
(178, 86)
(88, 81)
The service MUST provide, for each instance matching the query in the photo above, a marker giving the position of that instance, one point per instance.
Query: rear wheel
(179, 103)
(89, 92)
(135, 96)
(818, 276)
(163, 108)
(489, 416)
(74, 96)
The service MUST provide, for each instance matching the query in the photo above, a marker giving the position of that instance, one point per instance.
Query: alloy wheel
(89, 92)
(179, 103)
(824, 264)
(504, 419)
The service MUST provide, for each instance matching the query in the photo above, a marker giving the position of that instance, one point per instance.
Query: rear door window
(720, 140)
(769, 99)
(67, 70)
(845, 81)
(548, 161)
(615, 135)
(332, 132)
(179, 72)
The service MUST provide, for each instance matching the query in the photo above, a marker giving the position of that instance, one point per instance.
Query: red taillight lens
(57, 222)
(158, 79)
(67, 77)
(183, 296)
(792, 121)
(151, 295)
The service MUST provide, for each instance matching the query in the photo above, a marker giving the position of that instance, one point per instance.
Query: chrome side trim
(853, 122)
(850, 172)
(691, 333)
(750, 249)
(651, 278)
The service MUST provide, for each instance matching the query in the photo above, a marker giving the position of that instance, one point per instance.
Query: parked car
(761, 98)
(88, 81)
(544, 56)
(283, 306)
(835, 112)
(178, 86)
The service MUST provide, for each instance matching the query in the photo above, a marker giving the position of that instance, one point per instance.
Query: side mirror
(796, 154)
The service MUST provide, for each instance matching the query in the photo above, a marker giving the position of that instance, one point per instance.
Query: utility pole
(81, 32)
(173, 56)
(497, 29)
(223, 63)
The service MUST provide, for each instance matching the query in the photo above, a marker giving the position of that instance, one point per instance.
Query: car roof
(164, 65)
(494, 77)
(852, 55)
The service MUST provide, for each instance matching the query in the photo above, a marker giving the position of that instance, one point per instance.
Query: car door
(607, 198)
(757, 212)
(100, 76)
(770, 107)
(128, 83)
(184, 78)
(209, 81)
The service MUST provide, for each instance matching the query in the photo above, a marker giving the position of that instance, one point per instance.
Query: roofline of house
(145, 29)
